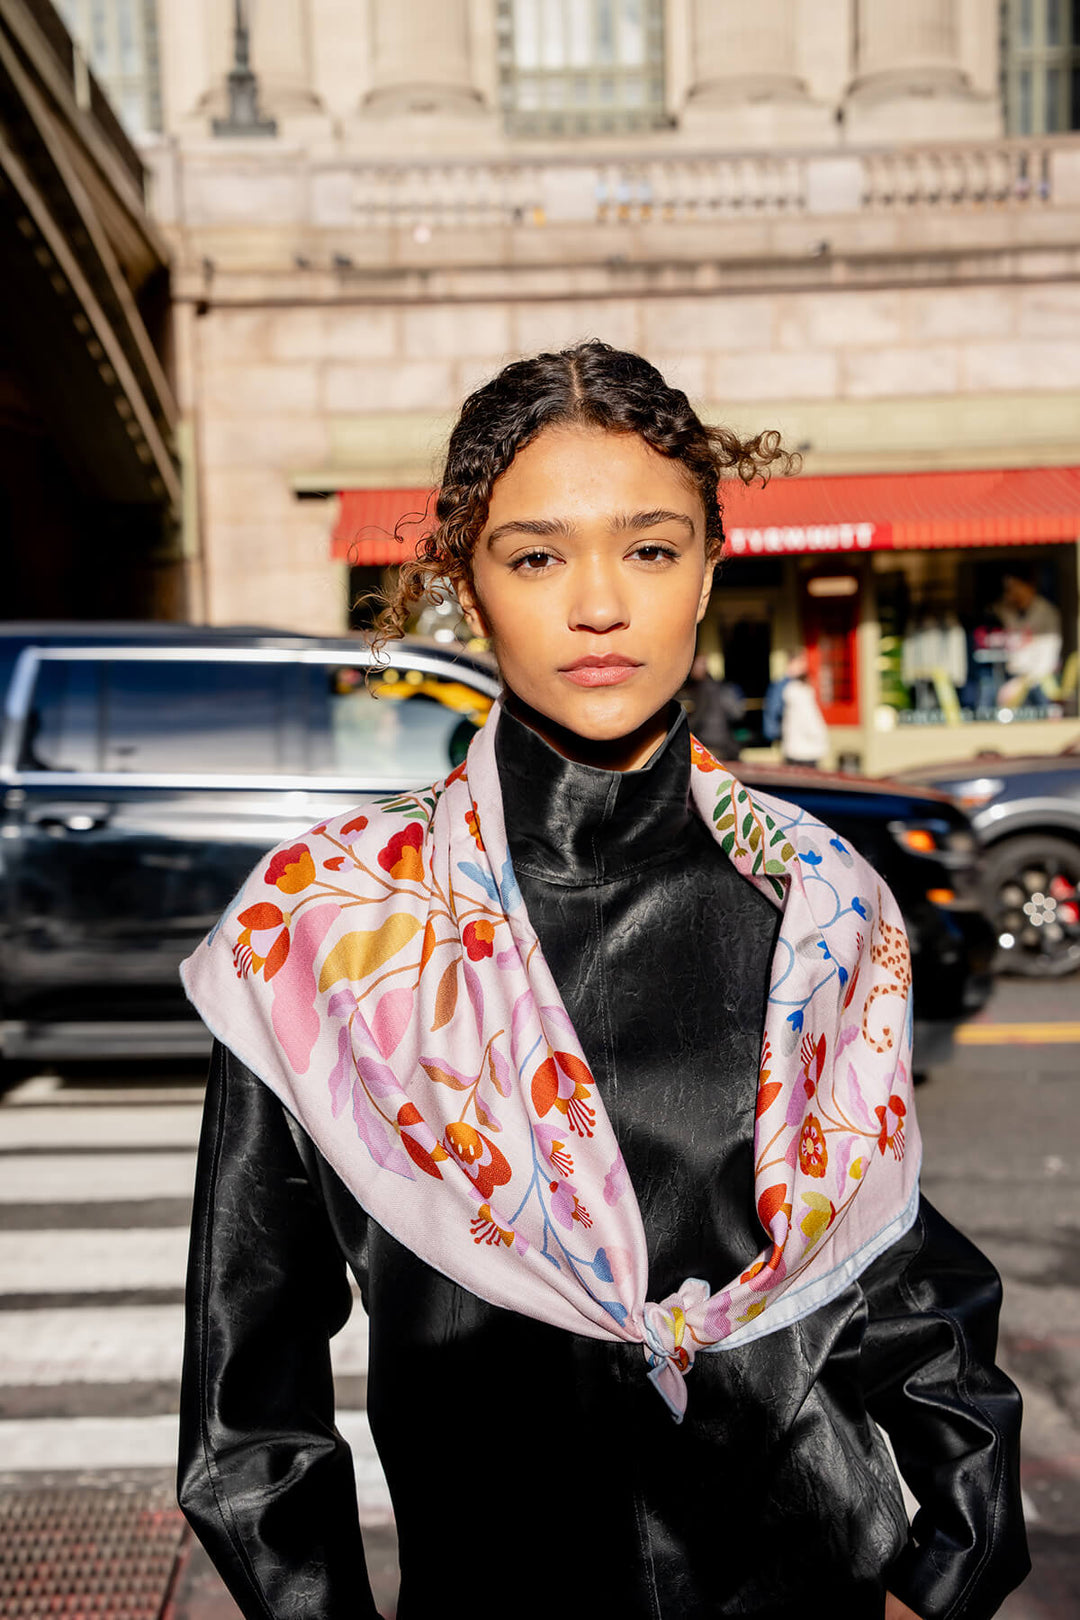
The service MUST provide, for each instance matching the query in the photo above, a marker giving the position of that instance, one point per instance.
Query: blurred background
(254, 255)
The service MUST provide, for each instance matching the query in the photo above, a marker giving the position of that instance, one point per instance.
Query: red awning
(865, 512)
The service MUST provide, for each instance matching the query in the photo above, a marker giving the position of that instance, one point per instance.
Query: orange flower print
(701, 757)
(478, 939)
(813, 1154)
(478, 1156)
(562, 1081)
(472, 821)
(456, 774)
(401, 857)
(418, 1140)
(263, 942)
(891, 1120)
(486, 1229)
(291, 869)
(357, 824)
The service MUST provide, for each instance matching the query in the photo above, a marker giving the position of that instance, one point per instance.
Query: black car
(145, 769)
(1026, 815)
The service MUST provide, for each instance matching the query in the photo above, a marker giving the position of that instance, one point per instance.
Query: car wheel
(1031, 890)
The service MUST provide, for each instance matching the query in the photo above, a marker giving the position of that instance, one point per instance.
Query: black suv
(146, 768)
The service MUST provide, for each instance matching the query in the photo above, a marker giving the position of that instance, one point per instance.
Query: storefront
(939, 610)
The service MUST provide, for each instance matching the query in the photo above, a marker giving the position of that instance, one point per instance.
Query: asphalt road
(1001, 1131)
(90, 1362)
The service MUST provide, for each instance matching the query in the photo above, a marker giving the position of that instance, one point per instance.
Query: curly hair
(591, 384)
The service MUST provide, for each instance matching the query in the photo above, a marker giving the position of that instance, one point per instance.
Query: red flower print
(478, 1156)
(813, 1154)
(263, 942)
(456, 775)
(357, 824)
(291, 869)
(472, 822)
(401, 856)
(418, 1140)
(813, 1061)
(701, 757)
(478, 939)
(891, 1120)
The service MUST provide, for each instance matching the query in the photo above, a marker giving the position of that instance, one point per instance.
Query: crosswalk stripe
(113, 1344)
(77, 1126)
(85, 1262)
(47, 1444)
(88, 1177)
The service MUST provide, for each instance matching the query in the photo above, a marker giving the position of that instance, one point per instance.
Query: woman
(804, 736)
(499, 1047)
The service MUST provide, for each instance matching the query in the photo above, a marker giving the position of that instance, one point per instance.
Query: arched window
(119, 39)
(581, 67)
(1041, 65)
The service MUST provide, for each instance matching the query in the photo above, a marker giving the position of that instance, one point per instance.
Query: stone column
(910, 83)
(914, 46)
(743, 52)
(745, 84)
(420, 59)
(281, 39)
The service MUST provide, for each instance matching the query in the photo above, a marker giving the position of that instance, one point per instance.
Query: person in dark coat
(534, 1469)
(714, 709)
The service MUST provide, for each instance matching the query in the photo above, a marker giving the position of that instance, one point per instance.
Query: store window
(119, 39)
(581, 67)
(1040, 59)
(987, 635)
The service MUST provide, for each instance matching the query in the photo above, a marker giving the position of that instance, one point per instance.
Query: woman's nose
(597, 600)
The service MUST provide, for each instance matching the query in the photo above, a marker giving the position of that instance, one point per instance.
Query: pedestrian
(714, 709)
(804, 736)
(639, 1237)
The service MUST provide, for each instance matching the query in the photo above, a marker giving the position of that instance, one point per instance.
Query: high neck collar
(571, 823)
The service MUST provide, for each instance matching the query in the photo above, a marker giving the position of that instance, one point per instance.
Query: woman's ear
(470, 606)
(706, 589)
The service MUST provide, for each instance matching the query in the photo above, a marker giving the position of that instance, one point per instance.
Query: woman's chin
(594, 723)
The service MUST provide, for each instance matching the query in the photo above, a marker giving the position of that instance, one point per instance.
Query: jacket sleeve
(265, 1479)
(952, 1416)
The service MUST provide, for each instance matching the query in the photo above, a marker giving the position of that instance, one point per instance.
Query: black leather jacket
(533, 1471)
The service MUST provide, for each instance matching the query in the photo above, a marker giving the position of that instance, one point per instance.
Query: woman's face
(590, 578)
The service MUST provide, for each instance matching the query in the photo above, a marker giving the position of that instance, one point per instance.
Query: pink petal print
(845, 1037)
(616, 1182)
(521, 1026)
(391, 1019)
(341, 1075)
(856, 1096)
(372, 1131)
(557, 1016)
(296, 1023)
(476, 995)
(508, 958)
(380, 1081)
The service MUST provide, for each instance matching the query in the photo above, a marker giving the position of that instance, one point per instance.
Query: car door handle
(74, 818)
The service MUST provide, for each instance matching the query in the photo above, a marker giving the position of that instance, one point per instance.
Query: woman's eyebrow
(649, 520)
(541, 528)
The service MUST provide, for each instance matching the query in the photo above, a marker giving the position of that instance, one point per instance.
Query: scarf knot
(670, 1341)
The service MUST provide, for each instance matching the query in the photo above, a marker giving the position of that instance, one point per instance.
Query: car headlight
(973, 795)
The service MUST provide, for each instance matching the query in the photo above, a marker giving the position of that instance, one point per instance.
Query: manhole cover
(85, 1552)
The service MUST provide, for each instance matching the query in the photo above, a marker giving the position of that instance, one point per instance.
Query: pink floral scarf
(382, 977)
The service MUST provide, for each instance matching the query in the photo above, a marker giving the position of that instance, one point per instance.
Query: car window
(407, 724)
(63, 723)
(206, 716)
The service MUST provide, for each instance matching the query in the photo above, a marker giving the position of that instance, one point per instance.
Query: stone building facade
(806, 212)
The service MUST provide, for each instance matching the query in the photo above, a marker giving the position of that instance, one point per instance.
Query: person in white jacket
(804, 736)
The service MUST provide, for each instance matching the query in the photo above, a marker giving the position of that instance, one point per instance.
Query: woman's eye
(653, 552)
(533, 562)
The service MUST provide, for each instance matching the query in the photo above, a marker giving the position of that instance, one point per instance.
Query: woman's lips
(600, 671)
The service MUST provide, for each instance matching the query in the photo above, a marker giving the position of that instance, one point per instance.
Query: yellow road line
(1018, 1034)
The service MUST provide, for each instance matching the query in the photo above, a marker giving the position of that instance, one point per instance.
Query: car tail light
(919, 839)
(941, 897)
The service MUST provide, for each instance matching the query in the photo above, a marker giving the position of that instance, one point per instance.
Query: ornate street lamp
(244, 116)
